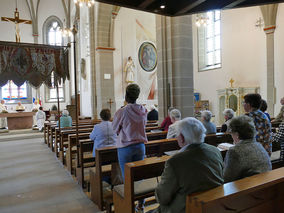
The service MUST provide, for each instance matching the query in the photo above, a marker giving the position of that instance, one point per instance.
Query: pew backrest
(259, 193)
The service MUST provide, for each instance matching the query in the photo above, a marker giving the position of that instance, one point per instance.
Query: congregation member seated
(247, 157)
(210, 127)
(20, 107)
(65, 119)
(153, 115)
(279, 138)
(228, 115)
(103, 134)
(3, 109)
(167, 121)
(129, 124)
(40, 119)
(196, 167)
(175, 116)
(280, 116)
(263, 108)
(251, 106)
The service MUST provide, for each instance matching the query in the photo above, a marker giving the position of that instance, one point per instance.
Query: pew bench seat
(142, 189)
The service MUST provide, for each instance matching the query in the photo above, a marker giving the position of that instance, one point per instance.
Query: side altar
(232, 98)
(19, 120)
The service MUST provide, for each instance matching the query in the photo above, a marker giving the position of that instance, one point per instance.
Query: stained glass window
(12, 92)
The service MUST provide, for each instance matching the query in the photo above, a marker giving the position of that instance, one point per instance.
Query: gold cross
(110, 102)
(17, 21)
(231, 82)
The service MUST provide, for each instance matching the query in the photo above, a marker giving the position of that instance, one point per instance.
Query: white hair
(229, 113)
(192, 130)
(206, 114)
(65, 112)
(175, 114)
(152, 107)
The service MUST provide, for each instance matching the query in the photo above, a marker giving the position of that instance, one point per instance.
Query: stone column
(92, 62)
(175, 64)
(269, 13)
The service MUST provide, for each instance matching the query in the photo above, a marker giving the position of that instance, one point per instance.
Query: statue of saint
(129, 69)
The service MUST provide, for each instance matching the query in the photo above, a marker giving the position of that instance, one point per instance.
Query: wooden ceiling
(185, 7)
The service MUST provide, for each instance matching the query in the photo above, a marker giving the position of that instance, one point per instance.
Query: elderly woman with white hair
(175, 116)
(210, 127)
(65, 119)
(197, 167)
(228, 115)
(247, 157)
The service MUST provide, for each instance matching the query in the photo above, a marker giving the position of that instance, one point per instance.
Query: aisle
(33, 181)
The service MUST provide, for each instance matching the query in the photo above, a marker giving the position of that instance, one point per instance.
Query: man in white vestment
(3, 109)
(36, 107)
(40, 119)
(20, 106)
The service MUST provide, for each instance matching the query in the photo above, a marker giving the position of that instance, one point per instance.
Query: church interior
(192, 56)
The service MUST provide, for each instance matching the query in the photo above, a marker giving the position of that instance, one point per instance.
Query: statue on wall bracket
(129, 69)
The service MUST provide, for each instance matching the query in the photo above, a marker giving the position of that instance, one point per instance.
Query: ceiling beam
(234, 4)
(189, 7)
(145, 4)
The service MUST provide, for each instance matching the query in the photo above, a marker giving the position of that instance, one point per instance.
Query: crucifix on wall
(16, 20)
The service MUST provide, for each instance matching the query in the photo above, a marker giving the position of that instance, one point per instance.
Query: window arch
(52, 36)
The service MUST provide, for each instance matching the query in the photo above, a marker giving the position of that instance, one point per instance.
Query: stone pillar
(105, 79)
(175, 64)
(269, 13)
(93, 62)
(270, 69)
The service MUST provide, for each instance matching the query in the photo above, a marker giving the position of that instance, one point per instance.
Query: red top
(166, 123)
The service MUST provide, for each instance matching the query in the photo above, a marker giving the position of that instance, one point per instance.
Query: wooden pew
(259, 193)
(62, 143)
(151, 150)
(143, 171)
(109, 155)
(50, 129)
(71, 143)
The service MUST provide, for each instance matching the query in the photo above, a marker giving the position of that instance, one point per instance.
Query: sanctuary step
(20, 134)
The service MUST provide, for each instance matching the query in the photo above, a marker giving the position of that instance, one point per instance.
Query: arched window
(52, 36)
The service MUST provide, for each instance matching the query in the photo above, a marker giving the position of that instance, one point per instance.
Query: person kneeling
(196, 167)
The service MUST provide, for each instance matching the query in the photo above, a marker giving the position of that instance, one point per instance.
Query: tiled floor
(32, 180)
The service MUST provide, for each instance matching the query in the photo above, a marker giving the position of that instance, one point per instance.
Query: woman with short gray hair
(205, 119)
(247, 157)
(65, 119)
(228, 115)
(175, 116)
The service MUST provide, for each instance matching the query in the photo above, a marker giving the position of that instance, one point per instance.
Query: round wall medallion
(147, 56)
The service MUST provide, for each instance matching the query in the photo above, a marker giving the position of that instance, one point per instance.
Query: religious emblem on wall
(147, 56)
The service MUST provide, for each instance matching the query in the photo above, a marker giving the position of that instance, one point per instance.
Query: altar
(19, 120)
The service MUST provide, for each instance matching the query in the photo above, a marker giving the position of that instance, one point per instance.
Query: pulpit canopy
(32, 63)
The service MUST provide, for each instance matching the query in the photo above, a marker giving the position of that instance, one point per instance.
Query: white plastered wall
(128, 36)
(243, 56)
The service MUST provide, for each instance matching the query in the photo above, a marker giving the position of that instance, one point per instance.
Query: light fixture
(163, 4)
(89, 3)
(201, 20)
